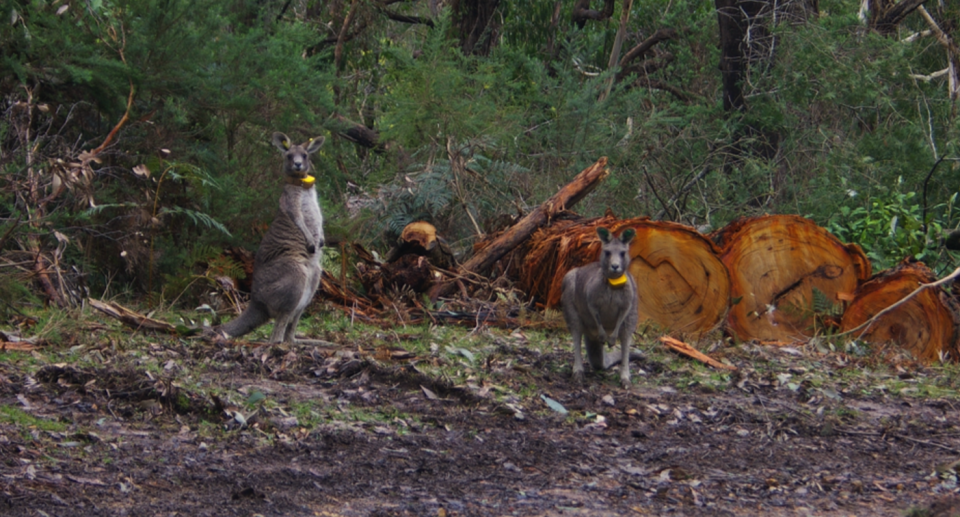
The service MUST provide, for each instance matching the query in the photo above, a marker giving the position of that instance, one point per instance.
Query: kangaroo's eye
(623, 255)
(606, 253)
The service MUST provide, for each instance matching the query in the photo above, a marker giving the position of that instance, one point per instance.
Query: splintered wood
(680, 347)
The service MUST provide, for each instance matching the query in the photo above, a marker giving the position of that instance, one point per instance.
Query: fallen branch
(866, 324)
(679, 346)
(569, 195)
(131, 318)
(16, 345)
(116, 129)
(938, 32)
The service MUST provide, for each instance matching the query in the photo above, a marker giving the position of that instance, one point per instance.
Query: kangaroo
(600, 304)
(287, 264)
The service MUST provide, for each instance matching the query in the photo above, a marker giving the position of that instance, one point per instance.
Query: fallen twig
(687, 350)
(16, 345)
(131, 318)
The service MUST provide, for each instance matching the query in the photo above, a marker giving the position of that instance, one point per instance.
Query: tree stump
(925, 324)
(777, 264)
(681, 283)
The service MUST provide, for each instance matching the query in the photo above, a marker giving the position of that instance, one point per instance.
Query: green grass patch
(20, 418)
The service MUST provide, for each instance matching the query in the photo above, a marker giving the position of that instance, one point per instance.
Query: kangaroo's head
(615, 252)
(296, 158)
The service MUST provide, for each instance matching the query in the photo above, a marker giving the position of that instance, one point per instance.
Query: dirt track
(142, 444)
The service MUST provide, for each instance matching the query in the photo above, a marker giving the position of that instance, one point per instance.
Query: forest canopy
(134, 137)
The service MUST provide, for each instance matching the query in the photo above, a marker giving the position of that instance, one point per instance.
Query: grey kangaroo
(287, 264)
(600, 304)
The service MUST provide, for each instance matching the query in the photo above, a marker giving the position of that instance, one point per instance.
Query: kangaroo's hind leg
(289, 334)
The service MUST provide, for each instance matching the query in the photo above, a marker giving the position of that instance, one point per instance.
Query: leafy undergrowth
(427, 420)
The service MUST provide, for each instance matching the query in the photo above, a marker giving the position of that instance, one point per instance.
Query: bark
(397, 17)
(569, 195)
(925, 324)
(646, 45)
(477, 24)
(582, 12)
(885, 16)
(776, 264)
(732, 62)
(358, 133)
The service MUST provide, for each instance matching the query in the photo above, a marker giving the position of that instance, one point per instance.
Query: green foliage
(22, 419)
(889, 227)
(464, 138)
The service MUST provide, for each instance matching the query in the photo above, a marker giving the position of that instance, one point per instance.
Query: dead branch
(942, 37)
(116, 129)
(679, 346)
(397, 17)
(653, 84)
(358, 133)
(569, 195)
(341, 38)
(887, 22)
(582, 12)
(19, 346)
(617, 44)
(130, 318)
(644, 46)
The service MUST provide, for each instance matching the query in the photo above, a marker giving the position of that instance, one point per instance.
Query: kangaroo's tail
(254, 316)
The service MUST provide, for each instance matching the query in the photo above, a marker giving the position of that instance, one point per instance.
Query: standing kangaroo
(287, 264)
(600, 304)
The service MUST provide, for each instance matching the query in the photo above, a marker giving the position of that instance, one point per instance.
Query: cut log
(681, 283)
(924, 324)
(569, 195)
(777, 264)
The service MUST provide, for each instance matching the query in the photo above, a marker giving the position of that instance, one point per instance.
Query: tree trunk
(682, 285)
(925, 325)
(732, 62)
(777, 265)
(476, 24)
(885, 15)
(569, 195)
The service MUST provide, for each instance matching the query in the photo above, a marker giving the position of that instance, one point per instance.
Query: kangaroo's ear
(604, 234)
(628, 235)
(281, 141)
(314, 144)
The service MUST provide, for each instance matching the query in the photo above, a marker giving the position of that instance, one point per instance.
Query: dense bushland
(133, 142)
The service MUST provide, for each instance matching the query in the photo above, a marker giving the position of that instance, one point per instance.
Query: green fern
(824, 306)
(198, 218)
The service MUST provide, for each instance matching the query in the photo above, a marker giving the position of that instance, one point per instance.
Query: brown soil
(137, 443)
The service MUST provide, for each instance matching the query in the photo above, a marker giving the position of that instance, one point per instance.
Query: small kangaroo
(287, 264)
(600, 304)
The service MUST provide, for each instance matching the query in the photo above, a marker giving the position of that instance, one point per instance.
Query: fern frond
(198, 218)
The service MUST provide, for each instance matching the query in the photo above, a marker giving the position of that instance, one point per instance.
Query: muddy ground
(396, 441)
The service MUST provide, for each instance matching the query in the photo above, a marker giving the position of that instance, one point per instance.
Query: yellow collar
(305, 182)
(619, 281)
